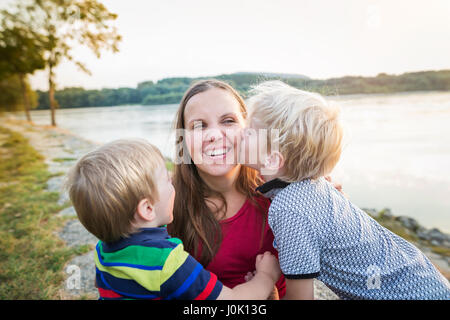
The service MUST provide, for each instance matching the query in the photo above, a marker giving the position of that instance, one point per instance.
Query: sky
(317, 38)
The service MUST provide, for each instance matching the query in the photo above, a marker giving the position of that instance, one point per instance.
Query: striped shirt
(151, 265)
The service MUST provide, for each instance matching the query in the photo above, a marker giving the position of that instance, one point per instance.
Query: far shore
(330, 95)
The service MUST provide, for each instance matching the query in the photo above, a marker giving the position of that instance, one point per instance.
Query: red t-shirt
(241, 237)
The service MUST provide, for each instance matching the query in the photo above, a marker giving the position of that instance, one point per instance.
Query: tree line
(171, 90)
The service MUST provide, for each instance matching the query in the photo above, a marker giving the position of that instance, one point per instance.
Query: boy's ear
(273, 163)
(145, 210)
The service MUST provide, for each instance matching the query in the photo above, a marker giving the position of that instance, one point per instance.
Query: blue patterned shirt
(320, 234)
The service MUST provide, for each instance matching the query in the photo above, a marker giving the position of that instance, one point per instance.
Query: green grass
(443, 251)
(32, 256)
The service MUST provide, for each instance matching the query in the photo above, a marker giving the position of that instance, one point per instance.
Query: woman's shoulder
(254, 207)
(260, 203)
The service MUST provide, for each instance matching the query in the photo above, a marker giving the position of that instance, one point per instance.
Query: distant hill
(171, 90)
(275, 75)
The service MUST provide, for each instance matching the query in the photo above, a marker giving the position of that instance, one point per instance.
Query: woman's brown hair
(194, 222)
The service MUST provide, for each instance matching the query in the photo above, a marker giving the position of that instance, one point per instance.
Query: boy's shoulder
(145, 248)
(306, 192)
(307, 203)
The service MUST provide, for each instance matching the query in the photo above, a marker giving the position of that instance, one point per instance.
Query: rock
(436, 235)
(435, 243)
(63, 197)
(446, 244)
(371, 212)
(80, 272)
(55, 184)
(68, 212)
(422, 234)
(322, 292)
(408, 223)
(387, 213)
(74, 234)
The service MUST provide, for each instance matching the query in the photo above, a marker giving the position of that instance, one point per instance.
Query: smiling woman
(217, 213)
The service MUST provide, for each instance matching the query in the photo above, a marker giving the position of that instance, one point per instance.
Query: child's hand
(337, 185)
(249, 276)
(268, 264)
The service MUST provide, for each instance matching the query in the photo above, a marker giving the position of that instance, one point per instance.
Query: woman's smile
(218, 153)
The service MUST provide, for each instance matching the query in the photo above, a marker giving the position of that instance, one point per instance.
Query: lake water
(396, 155)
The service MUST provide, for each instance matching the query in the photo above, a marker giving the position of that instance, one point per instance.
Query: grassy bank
(32, 256)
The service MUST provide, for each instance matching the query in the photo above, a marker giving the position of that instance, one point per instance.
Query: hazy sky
(317, 38)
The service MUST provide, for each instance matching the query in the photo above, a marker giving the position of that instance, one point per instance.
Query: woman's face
(213, 121)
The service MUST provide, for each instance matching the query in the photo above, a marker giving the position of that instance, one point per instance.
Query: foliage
(171, 90)
(46, 31)
(11, 94)
(21, 53)
(21, 50)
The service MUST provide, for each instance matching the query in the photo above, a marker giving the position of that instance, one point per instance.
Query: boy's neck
(140, 224)
(270, 176)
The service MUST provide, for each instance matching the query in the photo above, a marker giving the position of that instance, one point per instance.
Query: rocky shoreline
(433, 236)
(62, 149)
(434, 243)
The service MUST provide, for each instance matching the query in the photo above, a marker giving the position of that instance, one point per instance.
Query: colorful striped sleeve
(183, 278)
(133, 272)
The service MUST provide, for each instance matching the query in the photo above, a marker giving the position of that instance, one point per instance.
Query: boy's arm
(299, 289)
(259, 288)
(261, 285)
(182, 277)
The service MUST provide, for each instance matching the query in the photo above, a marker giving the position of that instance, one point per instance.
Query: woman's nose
(212, 135)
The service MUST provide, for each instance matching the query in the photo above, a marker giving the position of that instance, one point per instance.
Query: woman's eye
(229, 121)
(197, 125)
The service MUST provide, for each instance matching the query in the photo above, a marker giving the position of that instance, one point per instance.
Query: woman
(218, 215)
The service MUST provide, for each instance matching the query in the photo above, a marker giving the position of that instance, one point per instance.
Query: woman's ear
(145, 210)
(273, 163)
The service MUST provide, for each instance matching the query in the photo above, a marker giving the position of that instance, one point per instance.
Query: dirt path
(61, 150)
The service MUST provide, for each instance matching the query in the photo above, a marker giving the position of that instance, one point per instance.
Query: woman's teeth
(217, 152)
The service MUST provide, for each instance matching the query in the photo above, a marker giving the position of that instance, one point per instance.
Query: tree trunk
(51, 95)
(26, 100)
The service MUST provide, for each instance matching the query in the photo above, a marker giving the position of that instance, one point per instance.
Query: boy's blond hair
(310, 134)
(106, 185)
